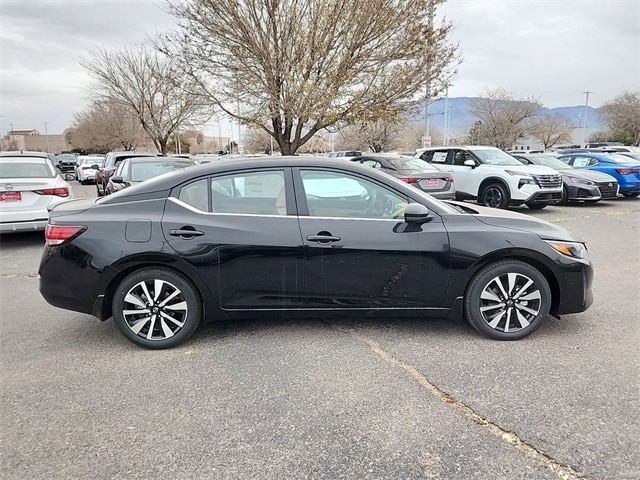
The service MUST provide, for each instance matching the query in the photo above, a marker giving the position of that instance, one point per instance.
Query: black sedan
(138, 169)
(303, 237)
(414, 171)
(578, 185)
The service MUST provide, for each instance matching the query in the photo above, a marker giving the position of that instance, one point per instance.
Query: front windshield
(549, 161)
(494, 156)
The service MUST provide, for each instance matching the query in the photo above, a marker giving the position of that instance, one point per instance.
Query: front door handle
(320, 238)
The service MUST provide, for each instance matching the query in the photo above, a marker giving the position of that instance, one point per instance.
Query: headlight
(526, 181)
(570, 249)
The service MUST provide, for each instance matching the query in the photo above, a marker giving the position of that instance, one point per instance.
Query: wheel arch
(490, 180)
(530, 258)
(127, 266)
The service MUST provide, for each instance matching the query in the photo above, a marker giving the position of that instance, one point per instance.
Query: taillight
(57, 235)
(450, 179)
(58, 192)
(410, 180)
(627, 171)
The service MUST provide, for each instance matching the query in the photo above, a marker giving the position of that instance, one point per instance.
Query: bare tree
(295, 67)
(622, 117)
(377, 136)
(257, 140)
(150, 85)
(503, 119)
(551, 129)
(106, 126)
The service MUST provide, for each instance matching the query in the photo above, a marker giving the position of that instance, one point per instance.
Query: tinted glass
(333, 194)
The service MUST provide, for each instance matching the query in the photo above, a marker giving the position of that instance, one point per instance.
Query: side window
(334, 194)
(439, 156)
(372, 163)
(195, 194)
(581, 161)
(427, 156)
(460, 156)
(244, 193)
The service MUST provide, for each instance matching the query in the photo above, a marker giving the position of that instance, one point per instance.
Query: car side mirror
(416, 213)
(117, 179)
(95, 166)
(470, 163)
(69, 176)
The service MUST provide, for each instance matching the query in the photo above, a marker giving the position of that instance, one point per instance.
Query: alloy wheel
(510, 302)
(155, 309)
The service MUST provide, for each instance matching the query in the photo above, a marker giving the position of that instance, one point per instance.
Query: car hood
(517, 221)
(588, 175)
(527, 169)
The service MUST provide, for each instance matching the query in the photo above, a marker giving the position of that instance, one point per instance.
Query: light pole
(586, 104)
(446, 115)
(46, 134)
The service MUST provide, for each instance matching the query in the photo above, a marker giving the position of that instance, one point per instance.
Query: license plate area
(10, 196)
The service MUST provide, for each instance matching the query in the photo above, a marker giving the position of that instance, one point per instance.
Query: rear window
(25, 170)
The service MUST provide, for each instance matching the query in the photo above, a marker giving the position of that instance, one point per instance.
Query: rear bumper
(27, 226)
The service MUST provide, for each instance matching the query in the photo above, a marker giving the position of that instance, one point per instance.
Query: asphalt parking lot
(318, 399)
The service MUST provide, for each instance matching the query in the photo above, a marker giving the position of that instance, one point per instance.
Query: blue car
(625, 169)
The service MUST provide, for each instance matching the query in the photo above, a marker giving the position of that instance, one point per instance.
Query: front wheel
(156, 308)
(507, 300)
(494, 196)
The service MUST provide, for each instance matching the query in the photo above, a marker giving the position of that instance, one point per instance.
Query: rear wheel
(507, 300)
(156, 308)
(495, 196)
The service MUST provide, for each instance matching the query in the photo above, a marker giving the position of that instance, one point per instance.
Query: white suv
(494, 178)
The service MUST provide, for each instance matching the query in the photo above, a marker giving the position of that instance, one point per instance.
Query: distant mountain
(461, 120)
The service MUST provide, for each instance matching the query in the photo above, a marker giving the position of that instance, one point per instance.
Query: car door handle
(185, 232)
(323, 238)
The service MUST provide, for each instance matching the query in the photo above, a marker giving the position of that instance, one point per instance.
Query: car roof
(23, 153)
(163, 183)
(156, 159)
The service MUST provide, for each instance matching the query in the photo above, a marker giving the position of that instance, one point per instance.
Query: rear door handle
(186, 232)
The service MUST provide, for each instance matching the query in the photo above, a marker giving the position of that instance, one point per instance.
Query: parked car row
(497, 179)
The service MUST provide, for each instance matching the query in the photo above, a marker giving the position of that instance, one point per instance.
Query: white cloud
(550, 49)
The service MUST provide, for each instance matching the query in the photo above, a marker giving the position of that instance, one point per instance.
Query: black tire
(495, 302)
(536, 206)
(565, 197)
(495, 196)
(161, 319)
(631, 194)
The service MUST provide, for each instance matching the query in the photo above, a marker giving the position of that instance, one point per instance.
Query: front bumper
(576, 294)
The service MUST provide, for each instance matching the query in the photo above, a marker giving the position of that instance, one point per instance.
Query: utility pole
(586, 104)
(46, 134)
(426, 139)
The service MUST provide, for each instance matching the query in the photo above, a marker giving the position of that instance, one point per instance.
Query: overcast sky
(553, 50)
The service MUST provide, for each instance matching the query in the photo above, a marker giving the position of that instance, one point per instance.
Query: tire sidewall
(503, 193)
(480, 281)
(194, 306)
